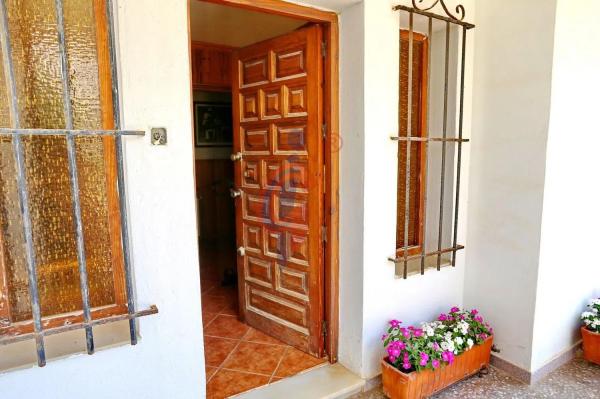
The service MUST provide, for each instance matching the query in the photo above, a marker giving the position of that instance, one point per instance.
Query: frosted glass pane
(95, 215)
(80, 37)
(4, 110)
(34, 39)
(12, 240)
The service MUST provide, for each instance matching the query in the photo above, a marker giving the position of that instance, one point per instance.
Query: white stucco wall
(511, 96)
(167, 362)
(568, 275)
(383, 296)
(352, 176)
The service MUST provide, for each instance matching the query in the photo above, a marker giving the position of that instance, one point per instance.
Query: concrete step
(331, 381)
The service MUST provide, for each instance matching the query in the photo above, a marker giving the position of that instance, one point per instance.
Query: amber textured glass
(36, 59)
(415, 153)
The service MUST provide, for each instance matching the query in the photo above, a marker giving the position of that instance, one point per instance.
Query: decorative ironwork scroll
(460, 10)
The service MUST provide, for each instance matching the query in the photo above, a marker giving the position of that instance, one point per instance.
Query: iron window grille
(16, 133)
(450, 21)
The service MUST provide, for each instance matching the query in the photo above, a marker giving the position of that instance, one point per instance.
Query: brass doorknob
(236, 157)
(235, 192)
(241, 251)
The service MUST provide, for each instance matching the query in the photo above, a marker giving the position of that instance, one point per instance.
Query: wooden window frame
(331, 149)
(422, 120)
(114, 213)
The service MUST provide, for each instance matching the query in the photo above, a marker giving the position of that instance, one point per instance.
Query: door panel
(277, 122)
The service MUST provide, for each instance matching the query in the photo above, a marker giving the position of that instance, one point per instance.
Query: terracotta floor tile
(226, 327)
(257, 336)
(232, 306)
(296, 361)
(207, 285)
(228, 291)
(210, 371)
(207, 317)
(214, 304)
(227, 383)
(255, 358)
(216, 350)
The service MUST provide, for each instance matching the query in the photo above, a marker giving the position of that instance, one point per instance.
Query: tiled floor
(575, 380)
(238, 357)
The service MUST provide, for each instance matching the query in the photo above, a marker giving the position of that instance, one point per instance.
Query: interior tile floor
(238, 358)
(576, 380)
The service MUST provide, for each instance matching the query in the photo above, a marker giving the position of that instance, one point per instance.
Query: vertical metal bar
(71, 152)
(121, 173)
(460, 136)
(426, 143)
(22, 188)
(445, 134)
(408, 143)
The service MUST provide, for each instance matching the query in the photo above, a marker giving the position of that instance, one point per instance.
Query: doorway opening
(264, 193)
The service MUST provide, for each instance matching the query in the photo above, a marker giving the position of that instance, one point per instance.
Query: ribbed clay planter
(591, 345)
(422, 384)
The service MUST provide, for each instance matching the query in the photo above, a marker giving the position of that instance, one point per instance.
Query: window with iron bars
(64, 245)
(430, 138)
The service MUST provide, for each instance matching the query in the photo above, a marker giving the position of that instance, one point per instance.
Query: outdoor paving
(575, 380)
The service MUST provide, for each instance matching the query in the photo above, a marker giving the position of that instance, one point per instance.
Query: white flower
(470, 343)
(585, 315)
(459, 340)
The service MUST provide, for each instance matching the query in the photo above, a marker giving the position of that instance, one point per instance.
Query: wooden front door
(277, 109)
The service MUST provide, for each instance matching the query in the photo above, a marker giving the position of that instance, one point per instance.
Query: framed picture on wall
(213, 126)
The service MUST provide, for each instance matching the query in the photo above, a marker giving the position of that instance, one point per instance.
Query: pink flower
(436, 346)
(448, 357)
(435, 363)
(424, 359)
(406, 366)
(462, 317)
(395, 323)
(393, 352)
(392, 359)
(405, 333)
(454, 309)
(478, 319)
(418, 332)
(442, 317)
(384, 337)
(474, 312)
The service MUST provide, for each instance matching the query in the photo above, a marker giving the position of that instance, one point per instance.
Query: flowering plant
(591, 318)
(434, 343)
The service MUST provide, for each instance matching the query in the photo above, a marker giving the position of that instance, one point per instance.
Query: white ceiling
(332, 5)
(236, 27)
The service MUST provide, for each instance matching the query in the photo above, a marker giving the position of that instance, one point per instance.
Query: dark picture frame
(213, 124)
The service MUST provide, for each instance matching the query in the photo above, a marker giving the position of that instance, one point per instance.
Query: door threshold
(332, 381)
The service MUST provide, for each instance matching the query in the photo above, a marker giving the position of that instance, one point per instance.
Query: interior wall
(155, 90)
(511, 95)
(568, 277)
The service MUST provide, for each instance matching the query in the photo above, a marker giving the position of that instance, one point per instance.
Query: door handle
(236, 157)
(241, 251)
(235, 192)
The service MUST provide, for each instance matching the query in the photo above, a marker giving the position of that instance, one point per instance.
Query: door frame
(329, 22)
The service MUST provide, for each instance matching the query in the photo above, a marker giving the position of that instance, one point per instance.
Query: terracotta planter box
(591, 345)
(417, 385)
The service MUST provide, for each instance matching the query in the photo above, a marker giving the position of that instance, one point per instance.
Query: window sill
(414, 266)
(22, 355)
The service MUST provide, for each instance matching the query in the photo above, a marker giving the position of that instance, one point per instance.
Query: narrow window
(418, 154)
